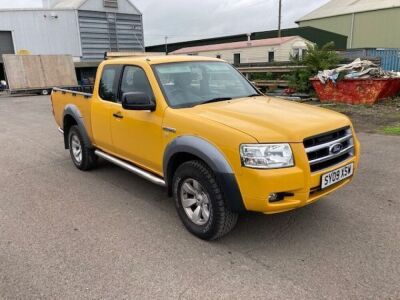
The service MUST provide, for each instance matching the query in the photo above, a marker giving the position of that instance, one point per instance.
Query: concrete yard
(108, 234)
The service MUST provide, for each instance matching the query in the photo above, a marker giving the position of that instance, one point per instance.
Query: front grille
(330, 148)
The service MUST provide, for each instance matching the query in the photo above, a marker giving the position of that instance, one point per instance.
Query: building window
(271, 56)
(111, 3)
(296, 53)
(299, 53)
(236, 59)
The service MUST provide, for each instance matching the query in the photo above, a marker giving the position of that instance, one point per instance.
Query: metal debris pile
(358, 69)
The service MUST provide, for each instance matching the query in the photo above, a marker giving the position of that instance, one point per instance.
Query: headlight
(267, 156)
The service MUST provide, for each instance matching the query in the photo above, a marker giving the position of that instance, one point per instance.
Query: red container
(392, 89)
(357, 91)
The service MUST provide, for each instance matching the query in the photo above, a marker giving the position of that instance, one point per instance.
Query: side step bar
(131, 168)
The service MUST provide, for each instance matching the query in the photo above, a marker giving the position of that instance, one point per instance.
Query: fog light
(276, 197)
(273, 197)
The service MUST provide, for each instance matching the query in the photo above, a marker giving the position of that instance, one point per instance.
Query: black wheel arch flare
(72, 111)
(213, 157)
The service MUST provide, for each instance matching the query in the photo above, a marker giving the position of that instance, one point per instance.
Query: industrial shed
(367, 23)
(252, 51)
(84, 29)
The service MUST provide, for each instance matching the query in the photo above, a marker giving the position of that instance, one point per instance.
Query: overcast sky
(195, 19)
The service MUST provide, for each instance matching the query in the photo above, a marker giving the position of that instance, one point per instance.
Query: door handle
(118, 115)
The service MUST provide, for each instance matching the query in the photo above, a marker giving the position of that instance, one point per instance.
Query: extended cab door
(103, 103)
(137, 135)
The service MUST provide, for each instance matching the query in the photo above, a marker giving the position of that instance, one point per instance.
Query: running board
(131, 168)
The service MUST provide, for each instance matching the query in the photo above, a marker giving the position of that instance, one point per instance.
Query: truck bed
(74, 96)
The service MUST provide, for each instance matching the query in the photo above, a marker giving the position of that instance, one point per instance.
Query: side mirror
(137, 101)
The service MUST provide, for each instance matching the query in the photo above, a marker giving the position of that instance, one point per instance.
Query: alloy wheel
(76, 147)
(195, 201)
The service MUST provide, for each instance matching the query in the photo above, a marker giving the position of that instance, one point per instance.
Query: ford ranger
(199, 128)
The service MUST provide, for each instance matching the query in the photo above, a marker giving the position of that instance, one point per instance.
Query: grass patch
(395, 130)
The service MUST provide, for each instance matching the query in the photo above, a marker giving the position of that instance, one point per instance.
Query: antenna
(166, 45)
(280, 19)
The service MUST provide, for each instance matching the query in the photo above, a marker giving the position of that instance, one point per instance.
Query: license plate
(337, 175)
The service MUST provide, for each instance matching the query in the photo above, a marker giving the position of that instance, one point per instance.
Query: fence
(389, 58)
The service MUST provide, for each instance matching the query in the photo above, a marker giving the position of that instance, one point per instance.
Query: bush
(316, 59)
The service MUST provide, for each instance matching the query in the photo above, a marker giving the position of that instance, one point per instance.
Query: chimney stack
(249, 39)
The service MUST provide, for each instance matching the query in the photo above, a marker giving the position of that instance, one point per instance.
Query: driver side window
(109, 83)
(134, 79)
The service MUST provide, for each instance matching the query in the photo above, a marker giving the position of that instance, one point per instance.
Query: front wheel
(82, 156)
(200, 202)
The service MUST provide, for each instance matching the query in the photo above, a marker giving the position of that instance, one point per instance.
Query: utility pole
(166, 45)
(280, 19)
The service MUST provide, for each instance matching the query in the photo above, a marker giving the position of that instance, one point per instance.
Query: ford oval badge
(336, 148)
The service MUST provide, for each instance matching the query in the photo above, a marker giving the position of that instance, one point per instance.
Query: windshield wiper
(218, 99)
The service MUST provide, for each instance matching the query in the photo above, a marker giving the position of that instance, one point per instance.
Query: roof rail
(110, 55)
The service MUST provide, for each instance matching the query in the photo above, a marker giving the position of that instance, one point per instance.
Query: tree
(318, 59)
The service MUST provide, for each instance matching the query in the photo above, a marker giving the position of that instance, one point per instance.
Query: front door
(102, 106)
(271, 56)
(137, 135)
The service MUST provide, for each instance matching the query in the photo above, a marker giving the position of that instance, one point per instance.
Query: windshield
(188, 84)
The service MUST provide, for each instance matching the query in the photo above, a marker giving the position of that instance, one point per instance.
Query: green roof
(314, 35)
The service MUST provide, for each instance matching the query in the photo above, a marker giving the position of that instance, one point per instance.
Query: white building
(252, 51)
(84, 29)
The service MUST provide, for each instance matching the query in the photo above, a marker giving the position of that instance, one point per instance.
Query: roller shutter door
(6, 44)
(101, 32)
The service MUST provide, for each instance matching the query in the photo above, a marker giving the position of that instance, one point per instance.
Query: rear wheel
(82, 156)
(200, 202)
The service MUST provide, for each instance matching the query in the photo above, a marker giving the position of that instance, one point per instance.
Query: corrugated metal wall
(106, 31)
(372, 29)
(42, 31)
(390, 58)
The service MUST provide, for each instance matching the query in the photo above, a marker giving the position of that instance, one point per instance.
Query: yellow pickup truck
(198, 127)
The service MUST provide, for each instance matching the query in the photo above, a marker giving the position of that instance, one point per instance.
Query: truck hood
(272, 120)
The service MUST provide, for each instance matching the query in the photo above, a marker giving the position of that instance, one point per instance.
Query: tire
(82, 156)
(203, 210)
(45, 92)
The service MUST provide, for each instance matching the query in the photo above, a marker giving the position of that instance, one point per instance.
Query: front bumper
(302, 185)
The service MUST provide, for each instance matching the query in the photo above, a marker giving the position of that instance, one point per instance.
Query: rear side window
(109, 83)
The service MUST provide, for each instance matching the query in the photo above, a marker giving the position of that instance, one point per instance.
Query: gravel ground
(370, 118)
(108, 234)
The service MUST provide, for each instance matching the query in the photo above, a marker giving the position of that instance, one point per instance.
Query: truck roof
(154, 60)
